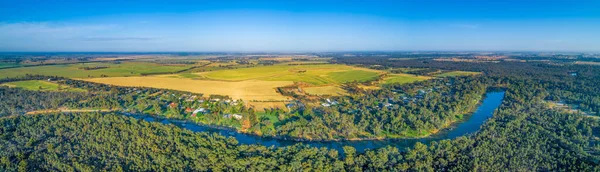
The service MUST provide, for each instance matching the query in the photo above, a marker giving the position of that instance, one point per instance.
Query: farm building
(201, 110)
(235, 116)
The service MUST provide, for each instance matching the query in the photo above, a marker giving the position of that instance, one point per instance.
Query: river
(471, 124)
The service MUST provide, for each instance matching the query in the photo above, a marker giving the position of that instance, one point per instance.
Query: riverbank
(470, 124)
(449, 125)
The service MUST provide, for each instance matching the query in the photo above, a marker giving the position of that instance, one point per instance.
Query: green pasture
(403, 78)
(313, 74)
(76, 71)
(37, 85)
(7, 64)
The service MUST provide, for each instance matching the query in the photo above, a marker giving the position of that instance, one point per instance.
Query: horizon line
(341, 51)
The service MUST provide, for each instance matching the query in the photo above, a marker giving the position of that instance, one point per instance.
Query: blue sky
(295, 26)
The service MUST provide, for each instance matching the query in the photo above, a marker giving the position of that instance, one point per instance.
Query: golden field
(245, 90)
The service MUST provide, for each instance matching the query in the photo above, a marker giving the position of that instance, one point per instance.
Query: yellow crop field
(245, 90)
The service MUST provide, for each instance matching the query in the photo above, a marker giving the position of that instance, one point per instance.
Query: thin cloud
(51, 28)
(101, 39)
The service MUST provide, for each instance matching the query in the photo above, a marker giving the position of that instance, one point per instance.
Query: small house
(234, 116)
(331, 102)
(201, 110)
(290, 105)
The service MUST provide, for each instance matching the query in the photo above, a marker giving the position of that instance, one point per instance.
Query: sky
(299, 26)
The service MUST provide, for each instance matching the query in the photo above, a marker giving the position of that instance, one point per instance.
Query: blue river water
(470, 125)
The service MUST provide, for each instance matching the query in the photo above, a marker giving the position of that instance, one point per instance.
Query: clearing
(38, 85)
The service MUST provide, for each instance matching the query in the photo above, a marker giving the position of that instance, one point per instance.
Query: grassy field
(5, 65)
(312, 74)
(458, 73)
(353, 75)
(75, 71)
(403, 78)
(37, 85)
(325, 90)
(245, 90)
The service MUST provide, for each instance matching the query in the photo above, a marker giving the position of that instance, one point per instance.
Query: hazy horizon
(302, 26)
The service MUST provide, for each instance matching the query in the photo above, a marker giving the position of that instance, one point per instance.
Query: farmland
(256, 84)
(311, 74)
(78, 71)
(245, 90)
(403, 78)
(7, 65)
(259, 84)
(36, 85)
